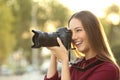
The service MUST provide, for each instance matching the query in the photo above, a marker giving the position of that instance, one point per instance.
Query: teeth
(77, 43)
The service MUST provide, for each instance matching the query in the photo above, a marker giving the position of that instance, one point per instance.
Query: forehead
(75, 23)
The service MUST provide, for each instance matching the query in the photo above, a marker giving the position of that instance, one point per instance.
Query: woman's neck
(90, 54)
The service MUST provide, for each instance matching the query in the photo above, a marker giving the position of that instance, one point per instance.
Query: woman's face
(79, 35)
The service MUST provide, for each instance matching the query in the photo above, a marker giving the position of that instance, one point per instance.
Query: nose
(74, 36)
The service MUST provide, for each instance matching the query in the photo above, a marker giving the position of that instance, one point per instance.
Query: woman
(89, 38)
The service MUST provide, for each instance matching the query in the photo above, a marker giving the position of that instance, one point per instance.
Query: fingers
(59, 41)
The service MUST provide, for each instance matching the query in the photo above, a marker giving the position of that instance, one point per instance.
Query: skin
(80, 40)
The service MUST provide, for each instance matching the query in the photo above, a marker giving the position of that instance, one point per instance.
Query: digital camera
(44, 39)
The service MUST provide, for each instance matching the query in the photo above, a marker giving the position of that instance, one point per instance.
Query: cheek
(83, 35)
(86, 40)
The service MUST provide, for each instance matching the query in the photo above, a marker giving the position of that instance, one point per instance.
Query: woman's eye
(79, 30)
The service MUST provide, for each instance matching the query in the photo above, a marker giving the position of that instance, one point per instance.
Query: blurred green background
(19, 17)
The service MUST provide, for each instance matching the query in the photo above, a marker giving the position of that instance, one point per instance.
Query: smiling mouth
(78, 43)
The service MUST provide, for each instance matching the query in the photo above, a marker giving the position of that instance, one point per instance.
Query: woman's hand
(62, 54)
(60, 51)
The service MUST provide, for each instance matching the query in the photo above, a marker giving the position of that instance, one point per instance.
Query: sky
(95, 6)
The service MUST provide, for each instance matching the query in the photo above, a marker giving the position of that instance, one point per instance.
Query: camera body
(44, 39)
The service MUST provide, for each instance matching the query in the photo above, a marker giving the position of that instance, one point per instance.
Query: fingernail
(57, 38)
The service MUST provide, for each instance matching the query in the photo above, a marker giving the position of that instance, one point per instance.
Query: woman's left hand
(60, 51)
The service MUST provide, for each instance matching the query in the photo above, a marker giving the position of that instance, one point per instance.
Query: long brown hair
(96, 35)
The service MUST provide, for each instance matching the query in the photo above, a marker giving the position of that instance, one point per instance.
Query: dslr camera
(44, 39)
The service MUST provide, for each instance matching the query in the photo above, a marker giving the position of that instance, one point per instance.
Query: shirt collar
(89, 60)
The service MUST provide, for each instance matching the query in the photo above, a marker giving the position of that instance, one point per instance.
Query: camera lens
(44, 39)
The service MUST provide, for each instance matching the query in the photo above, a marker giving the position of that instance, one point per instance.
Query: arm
(65, 75)
(53, 67)
(52, 73)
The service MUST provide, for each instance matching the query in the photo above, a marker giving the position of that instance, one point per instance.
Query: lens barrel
(44, 39)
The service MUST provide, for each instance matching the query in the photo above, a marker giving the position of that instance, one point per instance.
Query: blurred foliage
(16, 21)
(7, 37)
(22, 12)
(112, 29)
(51, 12)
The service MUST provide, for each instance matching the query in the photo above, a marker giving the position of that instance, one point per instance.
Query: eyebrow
(77, 27)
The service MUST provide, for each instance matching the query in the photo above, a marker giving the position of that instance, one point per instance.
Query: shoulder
(108, 67)
(105, 71)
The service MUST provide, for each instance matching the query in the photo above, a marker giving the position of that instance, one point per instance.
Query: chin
(83, 50)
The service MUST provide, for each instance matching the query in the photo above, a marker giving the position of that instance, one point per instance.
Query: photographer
(88, 38)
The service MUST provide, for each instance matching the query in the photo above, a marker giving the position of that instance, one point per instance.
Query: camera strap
(88, 67)
(69, 53)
